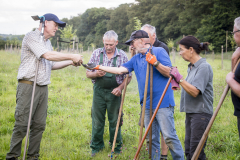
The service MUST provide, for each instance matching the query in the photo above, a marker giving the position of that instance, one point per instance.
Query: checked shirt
(32, 50)
(122, 58)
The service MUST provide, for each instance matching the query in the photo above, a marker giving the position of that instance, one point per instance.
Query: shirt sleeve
(37, 47)
(201, 78)
(129, 65)
(125, 60)
(162, 56)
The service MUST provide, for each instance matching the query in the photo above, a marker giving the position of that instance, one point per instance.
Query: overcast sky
(15, 15)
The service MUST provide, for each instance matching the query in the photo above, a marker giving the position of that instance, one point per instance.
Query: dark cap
(53, 17)
(137, 34)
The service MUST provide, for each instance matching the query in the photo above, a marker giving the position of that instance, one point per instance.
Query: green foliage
(170, 43)
(68, 32)
(232, 41)
(138, 23)
(211, 47)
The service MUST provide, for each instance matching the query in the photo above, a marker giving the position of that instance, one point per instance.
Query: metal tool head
(89, 65)
(35, 18)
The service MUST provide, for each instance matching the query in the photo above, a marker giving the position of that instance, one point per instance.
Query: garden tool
(151, 121)
(205, 134)
(34, 86)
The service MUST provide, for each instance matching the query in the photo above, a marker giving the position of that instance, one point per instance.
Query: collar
(38, 32)
(197, 63)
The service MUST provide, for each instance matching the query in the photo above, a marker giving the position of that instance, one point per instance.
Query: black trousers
(195, 125)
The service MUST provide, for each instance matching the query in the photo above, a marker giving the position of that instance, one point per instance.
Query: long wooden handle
(205, 134)
(30, 112)
(119, 114)
(151, 97)
(154, 115)
(144, 104)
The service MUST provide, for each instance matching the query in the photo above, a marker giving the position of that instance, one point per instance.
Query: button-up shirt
(32, 50)
(121, 58)
(138, 64)
(200, 75)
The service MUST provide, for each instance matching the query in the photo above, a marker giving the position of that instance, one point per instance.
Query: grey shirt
(32, 50)
(200, 76)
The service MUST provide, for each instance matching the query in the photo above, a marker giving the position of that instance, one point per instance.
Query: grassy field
(68, 130)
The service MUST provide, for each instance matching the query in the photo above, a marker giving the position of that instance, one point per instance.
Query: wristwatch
(156, 64)
(181, 80)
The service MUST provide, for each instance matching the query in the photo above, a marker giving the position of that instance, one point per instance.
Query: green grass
(68, 130)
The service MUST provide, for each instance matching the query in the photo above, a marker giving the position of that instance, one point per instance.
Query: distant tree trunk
(222, 56)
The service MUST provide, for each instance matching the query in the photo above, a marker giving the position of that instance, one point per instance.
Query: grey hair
(152, 29)
(237, 23)
(110, 35)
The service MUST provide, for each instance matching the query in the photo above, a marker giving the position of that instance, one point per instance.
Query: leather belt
(28, 82)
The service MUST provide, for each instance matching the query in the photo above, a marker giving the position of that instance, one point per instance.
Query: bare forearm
(164, 70)
(91, 75)
(114, 70)
(190, 89)
(60, 65)
(235, 87)
(235, 57)
(57, 56)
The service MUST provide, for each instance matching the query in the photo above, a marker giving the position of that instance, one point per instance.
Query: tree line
(208, 20)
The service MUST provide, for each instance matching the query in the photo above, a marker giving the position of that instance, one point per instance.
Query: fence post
(73, 43)
(58, 44)
(226, 40)
(11, 48)
(212, 55)
(5, 47)
(222, 56)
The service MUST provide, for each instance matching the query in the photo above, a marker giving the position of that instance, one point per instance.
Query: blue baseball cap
(53, 17)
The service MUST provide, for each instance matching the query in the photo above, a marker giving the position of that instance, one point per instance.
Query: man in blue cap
(34, 49)
(164, 120)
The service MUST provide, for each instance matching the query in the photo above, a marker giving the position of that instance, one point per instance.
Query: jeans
(164, 122)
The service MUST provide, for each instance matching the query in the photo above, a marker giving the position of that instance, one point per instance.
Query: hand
(230, 76)
(175, 74)
(100, 73)
(117, 91)
(77, 59)
(175, 85)
(151, 58)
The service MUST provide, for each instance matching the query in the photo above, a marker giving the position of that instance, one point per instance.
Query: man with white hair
(151, 30)
(233, 79)
(106, 92)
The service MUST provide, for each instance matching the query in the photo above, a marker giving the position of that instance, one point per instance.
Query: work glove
(151, 58)
(175, 85)
(91, 66)
(175, 74)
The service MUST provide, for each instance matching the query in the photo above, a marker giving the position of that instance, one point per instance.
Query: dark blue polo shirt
(138, 64)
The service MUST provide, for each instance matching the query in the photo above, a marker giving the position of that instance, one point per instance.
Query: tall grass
(68, 130)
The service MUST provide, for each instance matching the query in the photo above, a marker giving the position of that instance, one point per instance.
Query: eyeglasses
(235, 32)
(133, 41)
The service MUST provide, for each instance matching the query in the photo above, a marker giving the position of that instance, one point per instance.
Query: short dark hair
(191, 41)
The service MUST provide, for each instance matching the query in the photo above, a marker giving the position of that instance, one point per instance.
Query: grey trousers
(38, 121)
(195, 125)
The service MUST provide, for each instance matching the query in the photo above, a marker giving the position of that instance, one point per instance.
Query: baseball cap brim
(129, 41)
(60, 23)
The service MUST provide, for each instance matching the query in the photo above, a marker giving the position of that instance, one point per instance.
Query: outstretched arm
(63, 64)
(114, 70)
